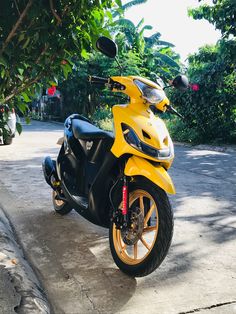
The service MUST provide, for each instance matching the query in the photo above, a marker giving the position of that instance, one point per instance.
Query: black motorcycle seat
(86, 131)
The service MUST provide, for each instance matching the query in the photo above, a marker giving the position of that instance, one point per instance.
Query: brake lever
(174, 111)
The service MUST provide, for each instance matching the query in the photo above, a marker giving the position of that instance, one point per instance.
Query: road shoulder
(217, 148)
(23, 292)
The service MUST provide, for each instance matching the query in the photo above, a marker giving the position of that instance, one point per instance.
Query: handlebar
(98, 80)
(106, 81)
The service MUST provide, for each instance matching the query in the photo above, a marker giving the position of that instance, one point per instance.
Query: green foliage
(181, 132)
(126, 6)
(18, 127)
(221, 15)
(3, 124)
(48, 42)
(40, 40)
(211, 111)
(139, 55)
(102, 117)
(80, 96)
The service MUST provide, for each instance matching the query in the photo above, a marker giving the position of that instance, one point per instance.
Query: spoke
(145, 243)
(149, 214)
(141, 203)
(135, 250)
(123, 248)
(149, 229)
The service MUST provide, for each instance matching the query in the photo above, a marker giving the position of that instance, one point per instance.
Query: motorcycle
(120, 181)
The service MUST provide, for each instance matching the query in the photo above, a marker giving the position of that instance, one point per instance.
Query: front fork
(121, 215)
(125, 201)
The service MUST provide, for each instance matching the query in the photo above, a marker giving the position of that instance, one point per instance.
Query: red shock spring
(125, 198)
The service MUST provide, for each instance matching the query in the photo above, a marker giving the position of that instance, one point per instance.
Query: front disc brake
(133, 232)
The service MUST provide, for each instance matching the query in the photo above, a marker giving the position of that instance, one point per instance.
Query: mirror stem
(168, 86)
(117, 61)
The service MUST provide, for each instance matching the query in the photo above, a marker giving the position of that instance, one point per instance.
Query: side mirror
(107, 46)
(180, 82)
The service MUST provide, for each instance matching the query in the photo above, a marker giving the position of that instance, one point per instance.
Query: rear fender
(137, 166)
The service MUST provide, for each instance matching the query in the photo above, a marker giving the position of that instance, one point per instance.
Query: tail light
(6, 109)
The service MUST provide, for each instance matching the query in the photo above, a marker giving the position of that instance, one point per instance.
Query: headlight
(133, 140)
(152, 95)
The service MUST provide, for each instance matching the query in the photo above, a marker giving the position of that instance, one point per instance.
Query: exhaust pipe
(49, 171)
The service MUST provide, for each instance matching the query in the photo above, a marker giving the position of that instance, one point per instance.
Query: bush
(210, 111)
(181, 132)
(102, 117)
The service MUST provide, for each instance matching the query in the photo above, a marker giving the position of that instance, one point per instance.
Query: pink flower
(194, 87)
(51, 90)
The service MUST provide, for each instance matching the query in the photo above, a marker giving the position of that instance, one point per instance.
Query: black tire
(60, 207)
(162, 230)
(7, 140)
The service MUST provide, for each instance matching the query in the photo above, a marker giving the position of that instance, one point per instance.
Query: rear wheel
(60, 206)
(7, 140)
(141, 248)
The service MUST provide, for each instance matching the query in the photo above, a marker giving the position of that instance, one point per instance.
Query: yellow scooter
(120, 180)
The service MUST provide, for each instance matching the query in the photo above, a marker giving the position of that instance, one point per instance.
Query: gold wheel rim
(136, 253)
(57, 202)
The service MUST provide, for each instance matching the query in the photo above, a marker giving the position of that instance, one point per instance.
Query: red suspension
(125, 198)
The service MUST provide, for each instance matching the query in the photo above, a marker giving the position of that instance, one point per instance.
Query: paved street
(72, 258)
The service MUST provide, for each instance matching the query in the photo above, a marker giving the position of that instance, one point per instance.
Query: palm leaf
(126, 23)
(127, 6)
(132, 3)
(130, 37)
(164, 43)
(155, 36)
(148, 27)
(168, 60)
(152, 40)
(140, 23)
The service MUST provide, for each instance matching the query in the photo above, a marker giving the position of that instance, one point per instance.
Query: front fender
(137, 166)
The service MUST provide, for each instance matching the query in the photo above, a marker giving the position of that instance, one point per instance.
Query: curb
(49, 121)
(32, 297)
(221, 149)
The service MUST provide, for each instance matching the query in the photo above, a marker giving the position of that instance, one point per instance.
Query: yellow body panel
(142, 121)
(135, 94)
(150, 130)
(155, 173)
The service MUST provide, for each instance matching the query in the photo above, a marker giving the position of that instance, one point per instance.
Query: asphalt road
(72, 257)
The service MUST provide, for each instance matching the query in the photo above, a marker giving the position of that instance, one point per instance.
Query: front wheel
(140, 248)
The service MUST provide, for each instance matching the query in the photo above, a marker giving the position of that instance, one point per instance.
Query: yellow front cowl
(144, 123)
(150, 129)
(137, 166)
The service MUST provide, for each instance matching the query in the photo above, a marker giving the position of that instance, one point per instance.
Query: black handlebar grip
(98, 80)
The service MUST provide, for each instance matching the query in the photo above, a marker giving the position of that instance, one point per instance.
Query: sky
(170, 18)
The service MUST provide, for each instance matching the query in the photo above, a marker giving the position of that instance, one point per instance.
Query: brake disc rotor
(133, 232)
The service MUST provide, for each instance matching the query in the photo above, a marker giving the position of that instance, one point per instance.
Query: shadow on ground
(73, 255)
